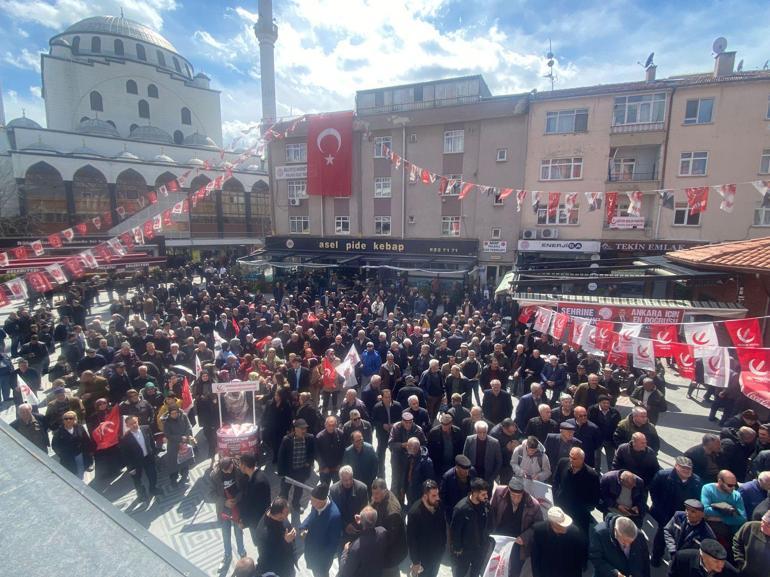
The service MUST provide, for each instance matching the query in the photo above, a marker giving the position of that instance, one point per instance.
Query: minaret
(267, 33)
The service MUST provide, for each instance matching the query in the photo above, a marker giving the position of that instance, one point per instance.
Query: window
(144, 109)
(455, 185)
(186, 116)
(96, 101)
(96, 44)
(762, 216)
(382, 187)
(176, 64)
(454, 141)
(140, 53)
(764, 163)
(693, 163)
(178, 137)
(639, 109)
(561, 169)
(502, 155)
(111, 123)
(152, 91)
(562, 216)
(623, 169)
(497, 201)
(497, 233)
(566, 121)
(682, 216)
(161, 58)
(131, 87)
(382, 225)
(189, 70)
(450, 226)
(418, 93)
(341, 225)
(118, 47)
(380, 144)
(379, 98)
(698, 111)
(296, 152)
(299, 224)
(131, 128)
(76, 45)
(297, 189)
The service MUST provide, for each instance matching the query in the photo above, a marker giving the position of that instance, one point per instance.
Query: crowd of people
(488, 428)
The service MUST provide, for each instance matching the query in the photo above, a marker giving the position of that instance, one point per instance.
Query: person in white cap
(558, 546)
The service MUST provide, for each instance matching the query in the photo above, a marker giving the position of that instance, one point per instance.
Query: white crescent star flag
(643, 354)
(347, 368)
(700, 335)
(590, 340)
(627, 332)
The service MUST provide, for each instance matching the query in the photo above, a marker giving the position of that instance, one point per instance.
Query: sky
(328, 49)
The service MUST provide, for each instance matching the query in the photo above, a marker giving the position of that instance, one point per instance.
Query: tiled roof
(743, 255)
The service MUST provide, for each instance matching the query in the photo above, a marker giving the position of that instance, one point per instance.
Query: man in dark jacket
(617, 547)
(351, 496)
(497, 404)
(708, 458)
(558, 546)
(295, 460)
(400, 433)
(385, 414)
(638, 458)
(366, 555)
(528, 406)
(709, 560)
(322, 530)
(687, 529)
(426, 532)
(227, 490)
(637, 421)
(444, 442)
(275, 541)
(469, 531)
(542, 425)
(32, 427)
(138, 449)
(606, 417)
(330, 449)
(389, 517)
(456, 484)
(256, 497)
(418, 469)
(623, 493)
(649, 397)
(576, 488)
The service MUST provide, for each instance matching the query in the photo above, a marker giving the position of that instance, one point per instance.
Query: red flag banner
(684, 356)
(75, 266)
(329, 154)
(263, 343)
(553, 203)
(604, 331)
(697, 199)
(525, 313)
(579, 327)
(19, 253)
(38, 282)
(662, 336)
(81, 228)
(187, 399)
(107, 434)
(611, 205)
(542, 320)
(755, 374)
(3, 297)
(560, 321)
(467, 187)
(745, 332)
(617, 354)
(55, 240)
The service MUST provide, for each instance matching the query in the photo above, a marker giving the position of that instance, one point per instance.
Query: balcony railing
(419, 105)
(635, 176)
(638, 127)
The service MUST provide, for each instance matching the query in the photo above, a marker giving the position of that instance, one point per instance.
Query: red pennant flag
(3, 298)
(525, 313)
(127, 239)
(55, 240)
(553, 203)
(329, 154)
(81, 228)
(579, 327)
(75, 266)
(442, 184)
(697, 199)
(425, 176)
(18, 288)
(167, 217)
(236, 328)
(505, 193)
(684, 356)
(4, 259)
(467, 187)
(107, 434)
(107, 219)
(745, 332)
(263, 343)
(38, 282)
(559, 326)
(755, 374)
(103, 251)
(149, 232)
(37, 248)
(662, 336)
(187, 399)
(604, 332)
(617, 354)
(611, 205)
(173, 186)
(19, 253)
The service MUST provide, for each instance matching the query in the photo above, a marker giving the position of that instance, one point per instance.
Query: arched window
(144, 109)
(176, 64)
(96, 101)
(178, 137)
(111, 123)
(189, 71)
(161, 58)
(152, 91)
(131, 87)
(131, 128)
(96, 44)
(118, 47)
(84, 118)
(140, 53)
(76, 45)
(186, 116)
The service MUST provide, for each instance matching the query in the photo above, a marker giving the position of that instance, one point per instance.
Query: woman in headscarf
(177, 429)
(277, 420)
(207, 410)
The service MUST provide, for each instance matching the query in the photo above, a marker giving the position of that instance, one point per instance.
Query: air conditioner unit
(294, 202)
(529, 234)
(549, 233)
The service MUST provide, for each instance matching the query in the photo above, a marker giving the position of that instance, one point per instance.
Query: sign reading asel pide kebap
(374, 246)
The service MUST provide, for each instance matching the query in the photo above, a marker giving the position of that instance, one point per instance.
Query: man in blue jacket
(554, 378)
(322, 531)
(370, 364)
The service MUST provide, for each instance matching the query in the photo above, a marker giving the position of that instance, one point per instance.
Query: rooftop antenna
(719, 45)
(740, 65)
(121, 12)
(766, 64)
(550, 64)
(647, 63)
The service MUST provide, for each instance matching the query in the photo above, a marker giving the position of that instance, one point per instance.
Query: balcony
(633, 175)
(638, 127)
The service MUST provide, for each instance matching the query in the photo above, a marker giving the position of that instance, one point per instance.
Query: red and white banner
(700, 335)
(697, 199)
(635, 203)
(755, 374)
(684, 356)
(542, 320)
(610, 205)
(590, 340)
(643, 354)
(559, 325)
(727, 192)
(617, 355)
(57, 273)
(553, 203)
(520, 196)
(525, 313)
(579, 328)
(38, 282)
(18, 288)
(604, 334)
(663, 336)
(329, 154)
(620, 314)
(716, 367)
(745, 332)
(627, 332)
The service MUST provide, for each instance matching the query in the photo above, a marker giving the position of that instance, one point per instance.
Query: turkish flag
(617, 354)
(697, 199)
(329, 154)
(755, 374)
(107, 433)
(553, 203)
(745, 332)
(662, 336)
(560, 321)
(684, 356)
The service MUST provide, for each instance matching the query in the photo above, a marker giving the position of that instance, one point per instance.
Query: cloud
(25, 60)
(61, 13)
(36, 91)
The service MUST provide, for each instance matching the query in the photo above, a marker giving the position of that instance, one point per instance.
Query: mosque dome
(120, 26)
(151, 134)
(98, 127)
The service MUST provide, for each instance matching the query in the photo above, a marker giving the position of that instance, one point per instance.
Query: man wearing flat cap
(295, 460)
(322, 530)
(558, 445)
(687, 529)
(707, 561)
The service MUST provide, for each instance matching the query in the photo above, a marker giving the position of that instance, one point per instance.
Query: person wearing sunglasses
(723, 505)
(73, 445)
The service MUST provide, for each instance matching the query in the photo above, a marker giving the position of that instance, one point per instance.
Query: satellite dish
(740, 65)
(648, 62)
(719, 46)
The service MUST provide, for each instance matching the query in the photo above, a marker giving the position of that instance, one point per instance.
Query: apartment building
(454, 128)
